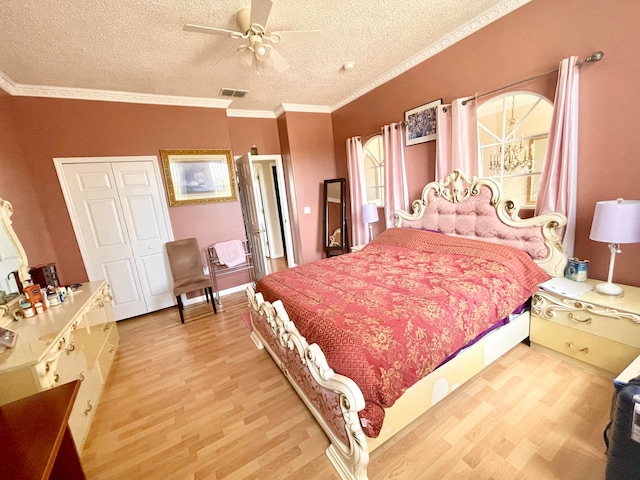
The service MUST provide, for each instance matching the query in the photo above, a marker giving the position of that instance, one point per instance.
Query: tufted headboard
(473, 208)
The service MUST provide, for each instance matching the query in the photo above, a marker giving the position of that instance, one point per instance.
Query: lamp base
(608, 288)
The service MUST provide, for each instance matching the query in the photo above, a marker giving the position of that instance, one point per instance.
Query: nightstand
(596, 331)
(357, 248)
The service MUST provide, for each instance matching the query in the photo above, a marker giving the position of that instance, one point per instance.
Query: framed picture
(421, 123)
(198, 176)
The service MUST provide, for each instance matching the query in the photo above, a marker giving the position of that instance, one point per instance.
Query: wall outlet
(307, 210)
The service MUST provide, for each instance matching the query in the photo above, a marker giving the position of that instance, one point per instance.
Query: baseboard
(190, 301)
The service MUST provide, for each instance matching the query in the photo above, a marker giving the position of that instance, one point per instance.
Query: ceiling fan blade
(260, 10)
(296, 36)
(217, 31)
(246, 56)
(277, 60)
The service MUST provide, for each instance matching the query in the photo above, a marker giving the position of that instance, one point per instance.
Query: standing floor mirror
(335, 221)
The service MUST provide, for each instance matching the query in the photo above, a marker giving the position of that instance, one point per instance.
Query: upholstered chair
(186, 267)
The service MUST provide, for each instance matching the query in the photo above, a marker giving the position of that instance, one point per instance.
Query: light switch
(307, 210)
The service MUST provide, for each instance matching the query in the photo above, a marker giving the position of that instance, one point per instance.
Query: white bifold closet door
(120, 220)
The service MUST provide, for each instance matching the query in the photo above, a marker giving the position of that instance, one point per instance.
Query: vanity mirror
(335, 221)
(13, 259)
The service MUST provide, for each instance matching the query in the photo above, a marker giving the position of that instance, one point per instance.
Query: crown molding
(234, 112)
(19, 90)
(481, 21)
(294, 107)
(7, 84)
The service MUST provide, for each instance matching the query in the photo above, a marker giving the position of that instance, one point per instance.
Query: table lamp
(369, 216)
(615, 222)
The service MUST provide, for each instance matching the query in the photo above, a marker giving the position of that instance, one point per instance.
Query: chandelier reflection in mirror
(516, 156)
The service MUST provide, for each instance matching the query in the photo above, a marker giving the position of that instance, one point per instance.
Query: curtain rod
(402, 124)
(594, 57)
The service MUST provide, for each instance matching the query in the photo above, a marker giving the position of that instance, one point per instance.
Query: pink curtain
(396, 194)
(559, 176)
(457, 138)
(357, 192)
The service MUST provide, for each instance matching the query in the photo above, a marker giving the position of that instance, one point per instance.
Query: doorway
(265, 207)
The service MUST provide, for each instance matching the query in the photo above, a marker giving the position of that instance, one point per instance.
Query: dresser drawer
(613, 324)
(108, 352)
(617, 329)
(573, 342)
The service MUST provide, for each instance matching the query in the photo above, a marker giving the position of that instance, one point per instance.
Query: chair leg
(206, 293)
(213, 300)
(180, 307)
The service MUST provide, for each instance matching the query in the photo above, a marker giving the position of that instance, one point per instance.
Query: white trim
(7, 84)
(228, 291)
(481, 21)
(294, 107)
(233, 112)
(112, 96)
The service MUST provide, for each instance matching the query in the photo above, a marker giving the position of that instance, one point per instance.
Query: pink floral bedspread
(388, 315)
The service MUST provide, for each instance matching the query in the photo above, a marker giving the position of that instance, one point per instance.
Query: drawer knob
(105, 327)
(111, 348)
(89, 407)
(571, 345)
(70, 348)
(61, 343)
(81, 376)
(573, 317)
(56, 377)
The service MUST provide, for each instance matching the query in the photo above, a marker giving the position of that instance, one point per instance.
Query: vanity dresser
(76, 340)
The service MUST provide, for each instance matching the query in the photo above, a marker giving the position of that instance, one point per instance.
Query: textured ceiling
(112, 49)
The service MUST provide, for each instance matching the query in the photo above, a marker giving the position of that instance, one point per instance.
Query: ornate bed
(465, 210)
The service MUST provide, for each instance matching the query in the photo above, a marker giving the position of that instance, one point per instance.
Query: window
(513, 131)
(374, 170)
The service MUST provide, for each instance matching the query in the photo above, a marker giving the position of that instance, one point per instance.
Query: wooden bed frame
(333, 397)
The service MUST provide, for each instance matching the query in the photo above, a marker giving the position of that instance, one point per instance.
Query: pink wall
(527, 42)
(49, 128)
(261, 132)
(17, 186)
(310, 151)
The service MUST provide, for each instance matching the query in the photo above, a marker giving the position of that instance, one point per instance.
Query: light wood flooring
(199, 401)
(277, 264)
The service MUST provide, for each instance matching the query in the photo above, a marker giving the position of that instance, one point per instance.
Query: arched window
(513, 131)
(374, 170)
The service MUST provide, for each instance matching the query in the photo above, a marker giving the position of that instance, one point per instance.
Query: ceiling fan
(259, 49)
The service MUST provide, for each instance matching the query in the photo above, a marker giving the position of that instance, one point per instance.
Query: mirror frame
(344, 248)
(6, 211)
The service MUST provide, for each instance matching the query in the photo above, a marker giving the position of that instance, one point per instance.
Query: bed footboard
(333, 399)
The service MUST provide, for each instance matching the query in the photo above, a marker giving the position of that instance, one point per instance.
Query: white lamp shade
(369, 213)
(616, 221)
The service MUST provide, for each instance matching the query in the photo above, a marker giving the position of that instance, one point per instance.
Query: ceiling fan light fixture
(262, 52)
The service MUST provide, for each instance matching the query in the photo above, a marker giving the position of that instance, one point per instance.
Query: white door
(141, 200)
(250, 201)
(284, 203)
(121, 234)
